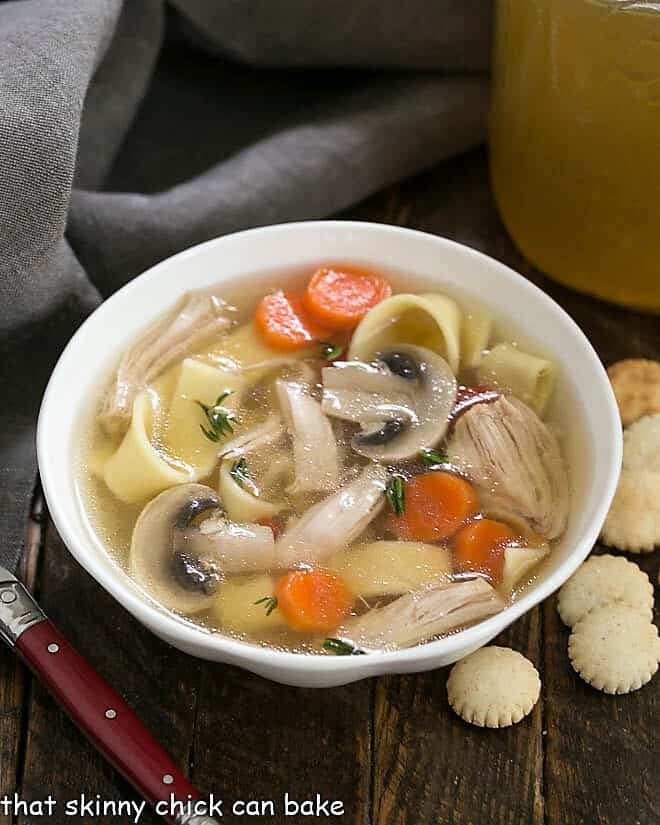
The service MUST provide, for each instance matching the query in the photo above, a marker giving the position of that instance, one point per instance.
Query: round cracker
(603, 579)
(641, 444)
(615, 648)
(493, 687)
(636, 385)
(633, 522)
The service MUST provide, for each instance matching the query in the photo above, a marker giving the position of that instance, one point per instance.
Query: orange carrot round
(479, 548)
(339, 297)
(435, 506)
(313, 601)
(284, 323)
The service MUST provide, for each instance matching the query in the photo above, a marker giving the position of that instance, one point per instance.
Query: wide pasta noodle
(243, 349)
(389, 568)
(182, 435)
(235, 606)
(475, 337)
(519, 563)
(240, 504)
(431, 320)
(529, 377)
(137, 471)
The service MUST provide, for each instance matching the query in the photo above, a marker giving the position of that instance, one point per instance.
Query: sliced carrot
(435, 506)
(313, 601)
(339, 297)
(284, 323)
(479, 548)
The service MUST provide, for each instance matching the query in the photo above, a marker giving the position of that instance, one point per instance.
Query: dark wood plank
(602, 757)
(432, 767)
(159, 682)
(12, 685)
(256, 740)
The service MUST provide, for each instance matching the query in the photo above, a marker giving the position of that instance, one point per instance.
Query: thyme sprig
(431, 458)
(270, 603)
(219, 419)
(396, 495)
(341, 648)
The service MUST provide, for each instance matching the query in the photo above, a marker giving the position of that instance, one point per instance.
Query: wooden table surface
(389, 748)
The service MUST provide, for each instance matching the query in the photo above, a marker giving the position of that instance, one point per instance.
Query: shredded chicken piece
(335, 522)
(423, 614)
(196, 319)
(237, 548)
(515, 460)
(268, 432)
(315, 451)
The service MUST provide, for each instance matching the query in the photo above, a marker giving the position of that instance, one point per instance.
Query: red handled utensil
(96, 708)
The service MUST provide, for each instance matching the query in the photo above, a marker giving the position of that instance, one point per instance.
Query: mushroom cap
(433, 393)
(153, 554)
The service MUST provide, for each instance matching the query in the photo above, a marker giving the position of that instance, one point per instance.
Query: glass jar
(575, 141)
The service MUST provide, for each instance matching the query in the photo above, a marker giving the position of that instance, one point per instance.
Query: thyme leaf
(395, 494)
(269, 602)
(431, 458)
(330, 351)
(341, 648)
(219, 419)
(240, 473)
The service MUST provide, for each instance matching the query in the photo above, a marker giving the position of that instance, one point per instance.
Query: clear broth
(113, 520)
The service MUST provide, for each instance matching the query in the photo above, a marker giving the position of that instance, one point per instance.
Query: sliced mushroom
(403, 402)
(366, 393)
(175, 577)
(315, 453)
(181, 559)
(423, 614)
(515, 460)
(335, 522)
(196, 318)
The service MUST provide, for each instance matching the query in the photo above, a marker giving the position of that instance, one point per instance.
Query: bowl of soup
(329, 450)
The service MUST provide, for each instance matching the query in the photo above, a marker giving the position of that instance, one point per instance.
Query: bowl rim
(251, 655)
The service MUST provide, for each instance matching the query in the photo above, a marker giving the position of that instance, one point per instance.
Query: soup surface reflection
(325, 463)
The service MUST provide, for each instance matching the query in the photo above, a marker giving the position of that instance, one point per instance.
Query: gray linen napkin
(131, 130)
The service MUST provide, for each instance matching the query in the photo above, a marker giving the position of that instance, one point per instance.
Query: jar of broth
(575, 141)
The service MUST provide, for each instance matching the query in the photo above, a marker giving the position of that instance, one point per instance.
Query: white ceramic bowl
(593, 442)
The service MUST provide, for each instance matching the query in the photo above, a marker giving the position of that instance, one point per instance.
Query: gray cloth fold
(131, 130)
